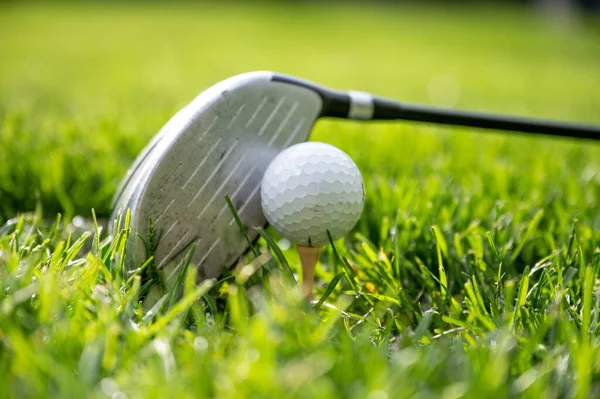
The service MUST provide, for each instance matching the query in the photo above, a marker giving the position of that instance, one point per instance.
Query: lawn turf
(472, 272)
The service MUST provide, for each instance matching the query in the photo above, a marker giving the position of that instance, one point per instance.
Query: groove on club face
(219, 193)
(251, 198)
(283, 123)
(231, 136)
(237, 113)
(258, 109)
(225, 156)
(208, 129)
(201, 164)
(177, 245)
(169, 230)
(159, 218)
(271, 115)
(234, 196)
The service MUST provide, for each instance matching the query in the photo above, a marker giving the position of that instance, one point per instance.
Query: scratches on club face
(168, 178)
(225, 148)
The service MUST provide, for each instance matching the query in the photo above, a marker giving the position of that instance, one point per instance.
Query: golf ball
(310, 188)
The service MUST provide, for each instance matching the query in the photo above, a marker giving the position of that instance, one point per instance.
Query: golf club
(223, 141)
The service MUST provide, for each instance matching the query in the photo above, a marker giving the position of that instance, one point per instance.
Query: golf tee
(309, 256)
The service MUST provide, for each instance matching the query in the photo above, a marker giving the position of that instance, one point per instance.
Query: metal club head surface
(221, 143)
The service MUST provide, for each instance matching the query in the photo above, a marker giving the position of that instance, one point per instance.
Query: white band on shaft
(361, 105)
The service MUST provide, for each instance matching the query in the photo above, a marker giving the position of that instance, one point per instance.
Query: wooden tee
(309, 256)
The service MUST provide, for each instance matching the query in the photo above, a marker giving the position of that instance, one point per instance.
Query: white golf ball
(310, 188)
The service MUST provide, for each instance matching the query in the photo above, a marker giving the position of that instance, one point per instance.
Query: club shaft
(366, 106)
(384, 109)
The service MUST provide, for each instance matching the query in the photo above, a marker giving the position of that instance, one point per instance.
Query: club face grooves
(220, 144)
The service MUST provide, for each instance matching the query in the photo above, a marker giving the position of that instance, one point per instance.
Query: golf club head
(221, 143)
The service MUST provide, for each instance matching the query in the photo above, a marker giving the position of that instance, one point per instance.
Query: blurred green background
(474, 265)
(83, 87)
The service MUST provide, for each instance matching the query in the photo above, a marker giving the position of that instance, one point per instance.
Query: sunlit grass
(472, 272)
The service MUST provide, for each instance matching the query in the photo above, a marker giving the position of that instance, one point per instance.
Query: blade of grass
(330, 287)
(240, 225)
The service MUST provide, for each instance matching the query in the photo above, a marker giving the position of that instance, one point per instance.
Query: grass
(472, 273)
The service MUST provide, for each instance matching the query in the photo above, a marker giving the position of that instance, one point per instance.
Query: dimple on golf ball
(310, 188)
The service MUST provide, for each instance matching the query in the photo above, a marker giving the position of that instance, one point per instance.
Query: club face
(221, 143)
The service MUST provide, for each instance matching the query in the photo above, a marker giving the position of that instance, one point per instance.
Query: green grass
(472, 272)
